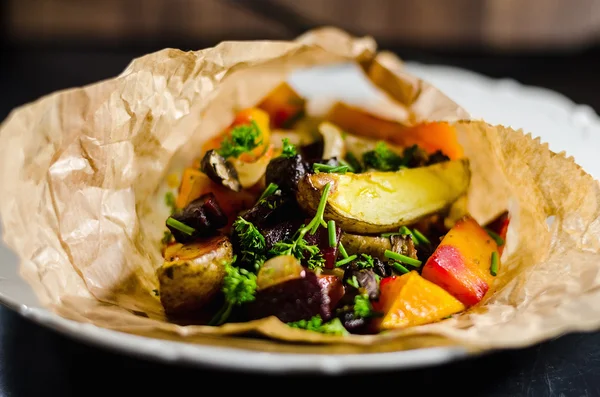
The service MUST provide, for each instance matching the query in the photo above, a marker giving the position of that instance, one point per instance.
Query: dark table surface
(35, 361)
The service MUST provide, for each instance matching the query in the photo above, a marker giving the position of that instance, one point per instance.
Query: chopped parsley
(316, 324)
(242, 139)
(252, 243)
(363, 307)
(382, 158)
(239, 287)
(365, 262)
(289, 150)
(299, 247)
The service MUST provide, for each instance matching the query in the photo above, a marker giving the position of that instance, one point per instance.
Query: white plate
(558, 121)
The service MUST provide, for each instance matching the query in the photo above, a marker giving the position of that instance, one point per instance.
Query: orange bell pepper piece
(282, 104)
(195, 183)
(431, 136)
(410, 300)
(461, 262)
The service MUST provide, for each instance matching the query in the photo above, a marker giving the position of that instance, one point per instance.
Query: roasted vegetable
(251, 172)
(202, 217)
(365, 279)
(296, 299)
(463, 262)
(404, 245)
(279, 269)
(283, 105)
(286, 172)
(195, 183)
(328, 244)
(220, 170)
(333, 141)
(191, 274)
(376, 202)
(374, 246)
(282, 231)
(431, 136)
(411, 300)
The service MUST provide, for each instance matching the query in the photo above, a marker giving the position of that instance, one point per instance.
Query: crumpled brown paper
(81, 199)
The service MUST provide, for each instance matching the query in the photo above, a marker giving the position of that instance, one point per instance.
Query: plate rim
(236, 359)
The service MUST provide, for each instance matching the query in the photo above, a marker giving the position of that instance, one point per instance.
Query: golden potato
(192, 274)
(377, 202)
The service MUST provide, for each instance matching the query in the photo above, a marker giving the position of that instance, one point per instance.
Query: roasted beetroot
(279, 232)
(297, 299)
(202, 217)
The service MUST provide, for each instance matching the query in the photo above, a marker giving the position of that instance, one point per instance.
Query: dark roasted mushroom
(200, 218)
(286, 172)
(220, 171)
(404, 245)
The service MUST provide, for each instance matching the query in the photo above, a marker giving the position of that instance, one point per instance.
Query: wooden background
(494, 24)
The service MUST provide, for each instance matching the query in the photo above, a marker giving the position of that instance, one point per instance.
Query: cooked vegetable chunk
(374, 246)
(462, 263)
(220, 170)
(283, 105)
(297, 299)
(286, 172)
(432, 136)
(410, 300)
(376, 202)
(202, 217)
(192, 274)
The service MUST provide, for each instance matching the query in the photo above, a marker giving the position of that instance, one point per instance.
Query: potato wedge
(192, 274)
(377, 202)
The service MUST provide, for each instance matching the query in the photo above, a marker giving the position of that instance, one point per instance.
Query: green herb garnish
(363, 307)
(155, 291)
(316, 324)
(342, 250)
(182, 227)
(365, 262)
(170, 201)
(402, 258)
(299, 247)
(494, 264)
(499, 240)
(353, 282)
(251, 241)
(382, 158)
(239, 287)
(420, 237)
(340, 169)
(272, 188)
(242, 139)
(344, 261)
(331, 233)
(289, 150)
(397, 266)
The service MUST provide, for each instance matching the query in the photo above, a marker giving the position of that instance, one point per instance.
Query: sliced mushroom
(333, 141)
(220, 170)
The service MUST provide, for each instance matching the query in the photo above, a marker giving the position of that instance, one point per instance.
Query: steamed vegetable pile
(336, 224)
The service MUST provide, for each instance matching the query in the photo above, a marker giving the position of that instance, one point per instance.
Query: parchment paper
(81, 200)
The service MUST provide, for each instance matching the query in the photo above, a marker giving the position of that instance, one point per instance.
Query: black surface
(35, 361)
